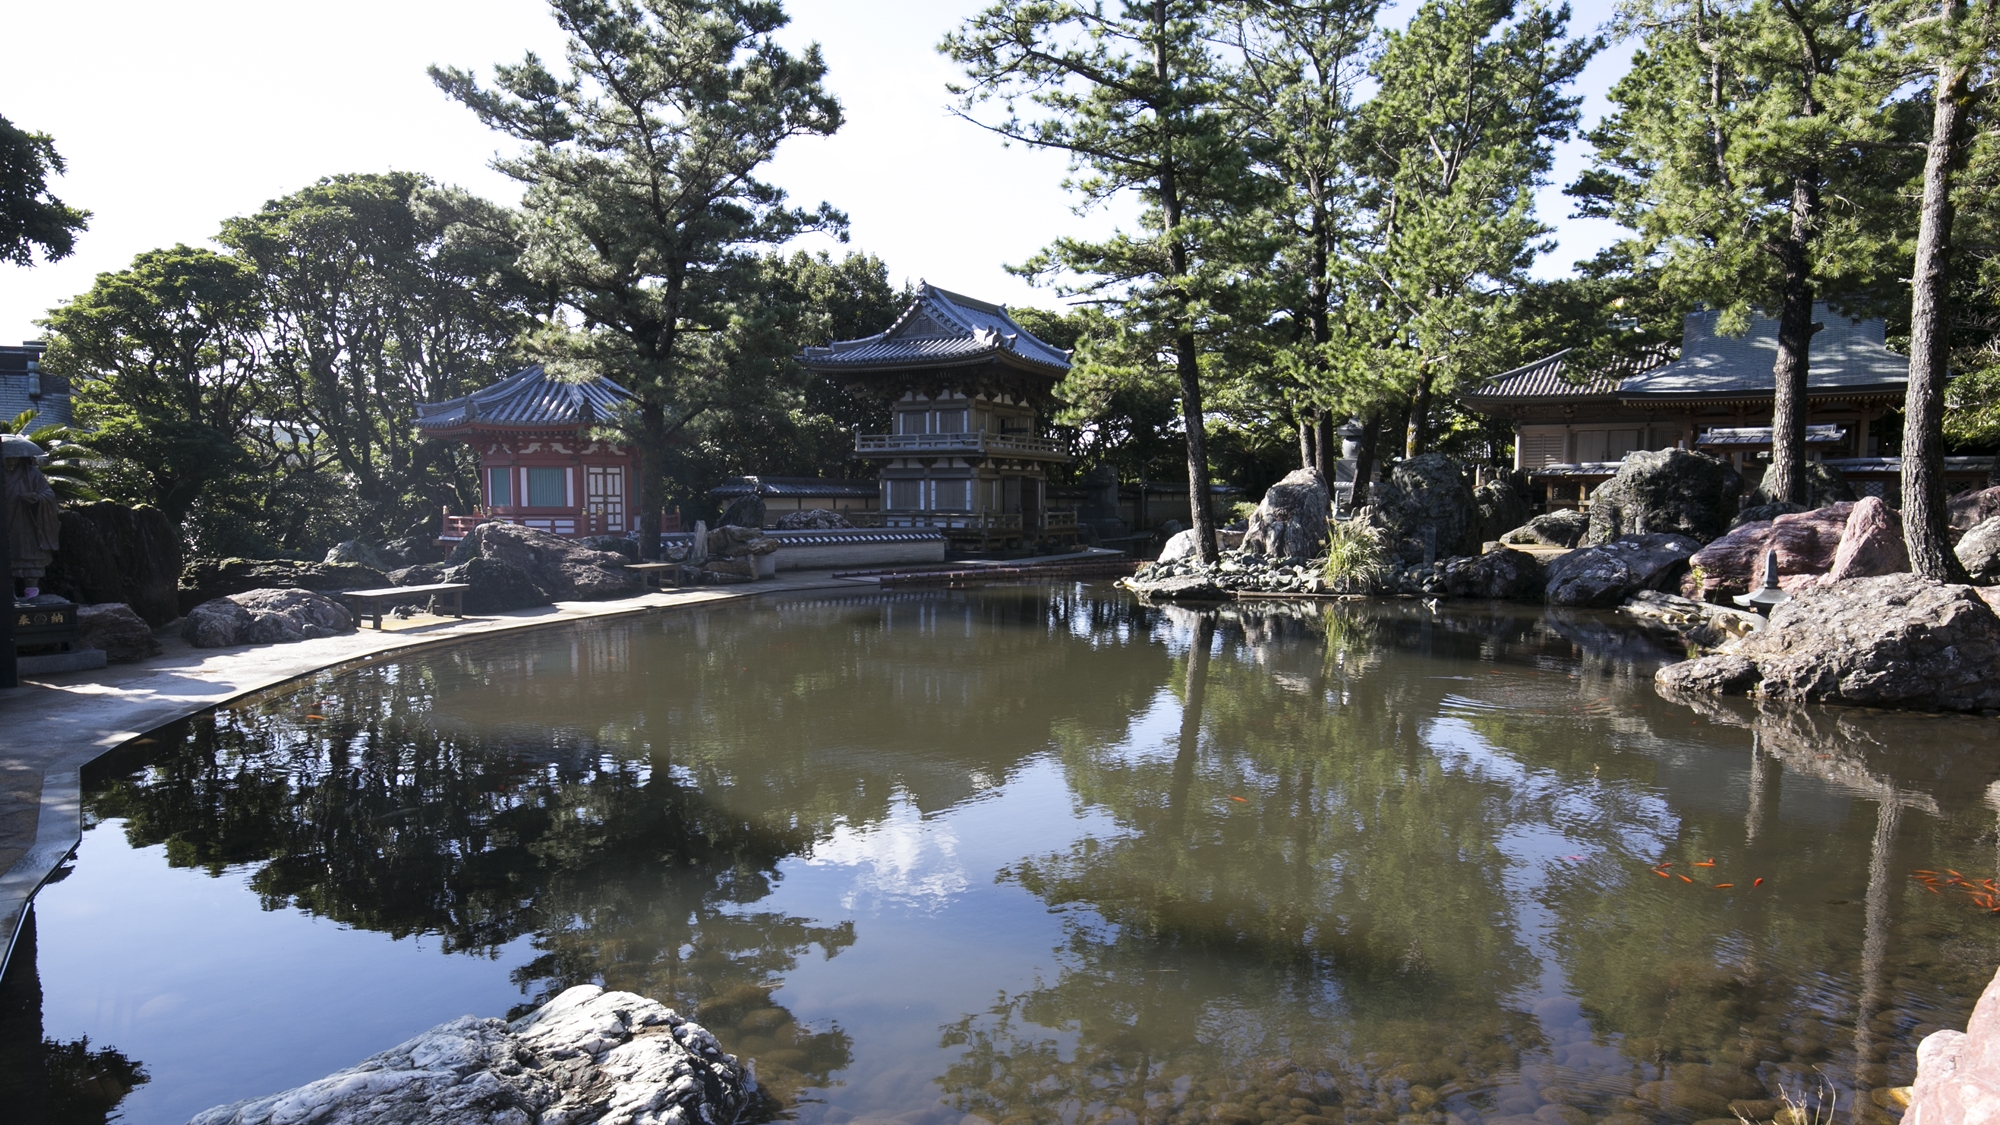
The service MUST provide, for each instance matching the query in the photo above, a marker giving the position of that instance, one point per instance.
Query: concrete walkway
(54, 725)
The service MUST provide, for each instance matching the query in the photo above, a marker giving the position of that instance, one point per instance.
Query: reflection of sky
(903, 860)
(191, 977)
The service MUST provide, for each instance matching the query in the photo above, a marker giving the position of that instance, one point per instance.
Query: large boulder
(1668, 492)
(358, 553)
(1499, 573)
(1765, 513)
(118, 630)
(613, 1058)
(1871, 544)
(1958, 1072)
(746, 510)
(731, 541)
(1699, 625)
(1425, 500)
(1970, 509)
(1502, 506)
(205, 580)
(1608, 573)
(1979, 551)
(1290, 522)
(494, 585)
(1564, 527)
(1806, 543)
(813, 519)
(1823, 487)
(264, 617)
(562, 569)
(112, 553)
(1895, 640)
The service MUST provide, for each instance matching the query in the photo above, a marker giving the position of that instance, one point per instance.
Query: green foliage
(30, 218)
(71, 467)
(643, 212)
(1355, 556)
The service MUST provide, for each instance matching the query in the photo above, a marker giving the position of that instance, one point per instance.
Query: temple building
(963, 456)
(539, 466)
(1714, 393)
(25, 387)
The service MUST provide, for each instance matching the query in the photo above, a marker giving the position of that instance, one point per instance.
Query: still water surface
(1046, 855)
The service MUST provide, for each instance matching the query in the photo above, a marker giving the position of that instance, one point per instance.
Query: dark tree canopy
(31, 219)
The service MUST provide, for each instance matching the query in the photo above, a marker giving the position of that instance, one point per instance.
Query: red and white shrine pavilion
(539, 466)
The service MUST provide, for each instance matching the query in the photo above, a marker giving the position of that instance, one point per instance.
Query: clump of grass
(1242, 510)
(1355, 556)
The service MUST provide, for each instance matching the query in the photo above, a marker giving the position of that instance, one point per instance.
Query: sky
(174, 117)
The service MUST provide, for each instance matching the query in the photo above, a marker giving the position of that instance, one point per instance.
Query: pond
(1040, 855)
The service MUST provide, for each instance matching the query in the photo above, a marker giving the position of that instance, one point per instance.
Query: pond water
(1039, 855)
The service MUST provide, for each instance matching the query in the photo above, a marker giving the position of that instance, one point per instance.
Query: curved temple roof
(942, 329)
(529, 399)
(1549, 378)
(1847, 357)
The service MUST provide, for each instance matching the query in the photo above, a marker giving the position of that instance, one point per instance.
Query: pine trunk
(1420, 418)
(1926, 519)
(1305, 443)
(1364, 461)
(1328, 446)
(1786, 478)
(1185, 361)
(652, 477)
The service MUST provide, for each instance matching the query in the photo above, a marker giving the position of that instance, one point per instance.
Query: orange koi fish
(1723, 886)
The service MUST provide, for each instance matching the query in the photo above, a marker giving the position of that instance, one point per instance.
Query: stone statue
(33, 526)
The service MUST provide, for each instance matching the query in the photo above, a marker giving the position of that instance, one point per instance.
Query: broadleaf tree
(1133, 92)
(31, 218)
(644, 214)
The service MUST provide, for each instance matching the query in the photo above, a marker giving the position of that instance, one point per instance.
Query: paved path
(53, 725)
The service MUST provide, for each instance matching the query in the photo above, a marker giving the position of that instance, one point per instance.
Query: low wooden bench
(370, 603)
(656, 574)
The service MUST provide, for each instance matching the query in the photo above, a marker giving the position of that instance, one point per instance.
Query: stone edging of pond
(56, 725)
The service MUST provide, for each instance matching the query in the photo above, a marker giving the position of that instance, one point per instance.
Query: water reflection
(45, 1081)
(1274, 863)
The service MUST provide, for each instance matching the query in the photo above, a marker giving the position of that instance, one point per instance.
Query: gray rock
(1564, 527)
(496, 586)
(561, 569)
(1607, 574)
(1290, 522)
(1979, 551)
(1698, 624)
(813, 519)
(1970, 509)
(607, 1058)
(423, 574)
(118, 630)
(628, 549)
(1181, 587)
(413, 550)
(112, 553)
(1894, 640)
(357, 553)
(1499, 573)
(731, 541)
(1180, 545)
(263, 617)
(204, 580)
(746, 510)
(1670, 492)
(1727, 673)
(1502, 507)
(1823, 487)
(1427, 492)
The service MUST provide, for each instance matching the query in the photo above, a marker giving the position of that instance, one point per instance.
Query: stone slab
(78, 660)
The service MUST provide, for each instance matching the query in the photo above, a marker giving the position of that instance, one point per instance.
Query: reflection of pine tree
(47, 1081)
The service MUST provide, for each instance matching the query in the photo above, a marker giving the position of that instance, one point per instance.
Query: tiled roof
(1846, 356)
(1548, 377)
(528, 399)
(941, 328)
(1827, 434)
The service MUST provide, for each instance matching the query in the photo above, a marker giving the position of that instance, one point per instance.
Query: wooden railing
(975, 441)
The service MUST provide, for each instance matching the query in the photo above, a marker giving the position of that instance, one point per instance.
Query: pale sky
(176, 116)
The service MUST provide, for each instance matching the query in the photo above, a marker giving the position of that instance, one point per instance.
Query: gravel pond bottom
(1039, 855)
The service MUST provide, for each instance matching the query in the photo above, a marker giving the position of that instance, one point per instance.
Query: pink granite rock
(1958, 1072)
(1806, 543)
(1871, 544)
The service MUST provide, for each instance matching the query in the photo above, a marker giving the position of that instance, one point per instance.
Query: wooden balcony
(977, 443)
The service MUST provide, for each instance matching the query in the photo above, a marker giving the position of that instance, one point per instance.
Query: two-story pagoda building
(539, 465)
(963, 455)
